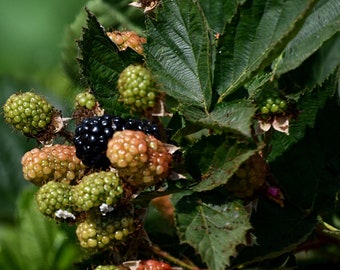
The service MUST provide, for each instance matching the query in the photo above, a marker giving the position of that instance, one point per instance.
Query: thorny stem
(172, 259)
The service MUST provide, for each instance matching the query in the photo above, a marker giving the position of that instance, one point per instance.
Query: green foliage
(321, 25)
(254, 38)
(215, 62)
(36, 243)
(179, 53)
(213, 228)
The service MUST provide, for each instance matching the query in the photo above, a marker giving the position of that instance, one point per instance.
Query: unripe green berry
(98, 232)
(136, 87)
(53, 196)
(264, 110)
(283, 104)
(97, 188)
(28, 112)
(107, 267)
(85, 100)
(274, 108)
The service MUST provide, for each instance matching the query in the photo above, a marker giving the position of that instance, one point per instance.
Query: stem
(172, 259)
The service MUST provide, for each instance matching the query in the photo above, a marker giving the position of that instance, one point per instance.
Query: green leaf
(254, 38)
(234, 116)
(325, 61)
(216, 158)
(36, 241)
(178, 52)
(214, 230)
(218, 13)
(278, 230)
(101, 63)
(321, 25)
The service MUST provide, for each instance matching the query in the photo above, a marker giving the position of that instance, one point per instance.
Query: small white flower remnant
(147, 5)
(105, 208)
(64, 214)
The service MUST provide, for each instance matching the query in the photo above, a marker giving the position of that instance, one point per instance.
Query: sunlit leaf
(322, 24)
(178, 52)
(254, 38)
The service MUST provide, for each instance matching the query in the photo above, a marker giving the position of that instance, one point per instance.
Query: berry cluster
(140, 159)
(136, 87)
(92, 135)
(89, 180)
(28, 112)
(248, 178)
(273, 106)
(98, 232)
(52, 163)
(95, 189)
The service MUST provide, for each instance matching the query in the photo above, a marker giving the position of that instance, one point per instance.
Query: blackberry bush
(224, 194)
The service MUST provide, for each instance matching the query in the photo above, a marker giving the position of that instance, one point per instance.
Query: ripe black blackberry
(145, 126)
(91, 138)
